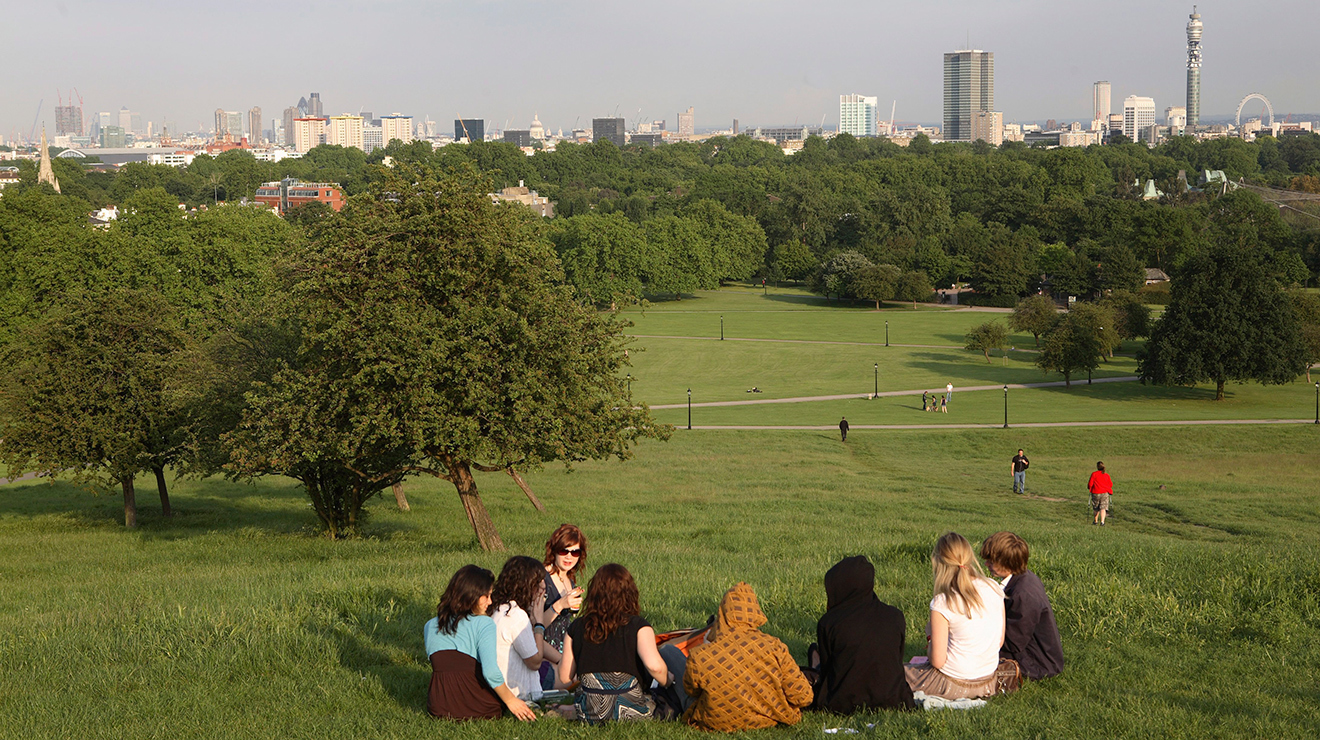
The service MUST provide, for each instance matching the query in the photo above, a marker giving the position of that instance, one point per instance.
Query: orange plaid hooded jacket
(742, 678)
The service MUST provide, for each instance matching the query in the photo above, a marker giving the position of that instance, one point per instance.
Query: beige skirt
(932, 682)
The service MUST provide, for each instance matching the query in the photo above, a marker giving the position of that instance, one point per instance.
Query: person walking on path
(944, 404)
(1020, 465)
(925, 400)
(948, 391)
(843, 428)
(1101, 487)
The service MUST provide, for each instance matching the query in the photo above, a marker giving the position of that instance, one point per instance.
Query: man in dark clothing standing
(860, 645)
(1031, 636)
(843, 428)
(1020, 465)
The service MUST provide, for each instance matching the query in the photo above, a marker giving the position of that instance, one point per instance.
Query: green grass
(1194, 614)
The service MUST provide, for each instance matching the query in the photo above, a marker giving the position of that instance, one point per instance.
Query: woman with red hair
(611, 651)
(565, 554)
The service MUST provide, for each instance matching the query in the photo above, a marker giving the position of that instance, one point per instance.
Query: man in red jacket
(1101, 488)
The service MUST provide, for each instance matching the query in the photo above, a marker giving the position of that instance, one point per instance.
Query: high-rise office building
(254, 126)
(1138, 118)
(518, 137)
(346, 131)
(1101, 102)
(314, 108)
(857, 115)
(969, 86)
(113, 137)
(1175, 117)
(608, 128)
(68, 120)
(228, 123)
(290, 114)
(687, 123)
(1194, 69)
(395, 126)
(472, 129)
(988, 126)
(308, 132)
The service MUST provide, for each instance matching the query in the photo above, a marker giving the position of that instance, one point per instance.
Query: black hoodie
(861, 644)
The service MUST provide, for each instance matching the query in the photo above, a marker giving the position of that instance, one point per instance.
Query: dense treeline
(686, 216)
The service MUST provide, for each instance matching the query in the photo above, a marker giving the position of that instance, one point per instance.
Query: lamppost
(886, 333)
(630, 385)
(690, 410)
(1317, 403)
(877, 381)
(1005, 405)
(721, 327)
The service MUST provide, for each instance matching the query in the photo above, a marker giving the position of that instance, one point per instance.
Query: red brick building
(290, 193)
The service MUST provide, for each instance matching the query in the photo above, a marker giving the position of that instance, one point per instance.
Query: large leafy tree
(987, 336)
(87, 392)
(438, 339)
(1034, 314)
(1078, 341)
(1228, 319)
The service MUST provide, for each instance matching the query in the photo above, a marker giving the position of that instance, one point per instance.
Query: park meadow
(1193, 614)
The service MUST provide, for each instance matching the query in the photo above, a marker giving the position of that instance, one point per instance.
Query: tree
(1131, 316)
(604, 256)
(1034, 314)
(876, 283)
(836, 276)
(1307, 308)
(914, 286)
(988, 336)
(1227, 319)
(439, 338)
(86, 392)
(1077, 342)
(793, 260)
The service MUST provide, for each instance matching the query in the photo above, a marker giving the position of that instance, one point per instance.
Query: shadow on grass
(200, 507)
(378, 633)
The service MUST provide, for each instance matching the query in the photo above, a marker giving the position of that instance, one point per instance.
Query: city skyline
(768, 73)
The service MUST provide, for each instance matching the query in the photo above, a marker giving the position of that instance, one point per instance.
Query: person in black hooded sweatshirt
(860, 644)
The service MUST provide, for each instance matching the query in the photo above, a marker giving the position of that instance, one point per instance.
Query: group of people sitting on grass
(497, 644)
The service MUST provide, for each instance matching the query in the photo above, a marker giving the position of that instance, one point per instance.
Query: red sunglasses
(575, 552)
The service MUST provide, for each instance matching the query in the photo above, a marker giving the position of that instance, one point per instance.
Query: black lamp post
(886, 333)
(721, 328)
(1317, 403)
(630, 385)
(877, 381)
(690, 409)
(1005, 405)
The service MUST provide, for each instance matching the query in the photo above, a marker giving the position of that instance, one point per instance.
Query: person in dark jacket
(1031, 636)
(843, 428)
(860, 644)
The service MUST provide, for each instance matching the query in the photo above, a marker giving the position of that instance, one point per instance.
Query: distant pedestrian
(925, 401)
(944, 404)
(948, 390)
(1020, 465)
(1102, 488)
(843, 428)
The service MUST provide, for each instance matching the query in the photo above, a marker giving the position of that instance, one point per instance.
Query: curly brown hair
(465, 589)
(612, 600)
(568, 535)
(517, 584)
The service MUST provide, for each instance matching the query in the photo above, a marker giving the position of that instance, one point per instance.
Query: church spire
(46, 173)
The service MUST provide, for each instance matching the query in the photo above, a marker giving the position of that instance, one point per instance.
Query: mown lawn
(1195, 614)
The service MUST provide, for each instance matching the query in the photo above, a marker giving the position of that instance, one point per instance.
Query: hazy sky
(765, 63)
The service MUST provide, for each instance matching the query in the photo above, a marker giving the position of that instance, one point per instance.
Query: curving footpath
(1034, 424)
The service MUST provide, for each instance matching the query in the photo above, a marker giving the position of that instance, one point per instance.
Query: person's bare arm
(566, 667)
(939, 640)
(650, 655)
(515, 705)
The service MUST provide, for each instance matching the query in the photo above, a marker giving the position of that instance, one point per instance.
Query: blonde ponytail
(956, 571)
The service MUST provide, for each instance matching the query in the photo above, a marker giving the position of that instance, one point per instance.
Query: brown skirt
(457, 689)
(932, 682)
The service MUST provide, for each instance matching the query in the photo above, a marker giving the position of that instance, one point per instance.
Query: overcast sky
(768, 62)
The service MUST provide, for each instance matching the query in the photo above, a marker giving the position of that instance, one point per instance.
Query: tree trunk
(1219, 389)
(987, 355)
(477, 515)
(877, 305)
(1037, 337)
(401, 498)
(525, 488)
(164, 492)
(130, 502)
(1067, 380)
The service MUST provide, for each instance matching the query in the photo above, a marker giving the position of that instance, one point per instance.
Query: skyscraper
(1193, 69)
(346, 131)
(1100, 98)
(969, 86)
(254, 125)
(1138, 117)
(395, 126)
(290, 114)
(608, 128)
(857, 115)
(472, 129)
(68, 120)
(687, 122)
(314, 108)
(228, 123)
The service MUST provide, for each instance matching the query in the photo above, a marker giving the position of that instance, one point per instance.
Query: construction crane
(32, 135)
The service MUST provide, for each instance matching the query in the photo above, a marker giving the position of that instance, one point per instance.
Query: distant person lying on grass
(612, 651)
(742, 678)
(859, 653)
(966, 626)
(466, 682)
(1031, 636)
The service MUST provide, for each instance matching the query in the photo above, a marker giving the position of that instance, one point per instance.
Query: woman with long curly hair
(565, 556)
(966, 625)
(612, 651)
(466, 681)
(519, 642)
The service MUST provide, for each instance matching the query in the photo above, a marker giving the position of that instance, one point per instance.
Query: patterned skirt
(612, 696)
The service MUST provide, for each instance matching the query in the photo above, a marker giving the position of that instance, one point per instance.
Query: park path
(804, 341)
(887, 394)
(1028, 425)
(25, 476)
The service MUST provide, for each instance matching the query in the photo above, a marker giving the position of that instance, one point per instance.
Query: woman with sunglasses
(565, 554)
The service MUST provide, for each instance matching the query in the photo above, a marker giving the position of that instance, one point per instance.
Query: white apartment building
(988, 126)
(346, 131)
(395, 126)
(308, 133)
(857, 115)
(1138, 117)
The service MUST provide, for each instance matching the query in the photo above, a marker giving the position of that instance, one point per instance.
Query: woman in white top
(520, 645)
(966, 626)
